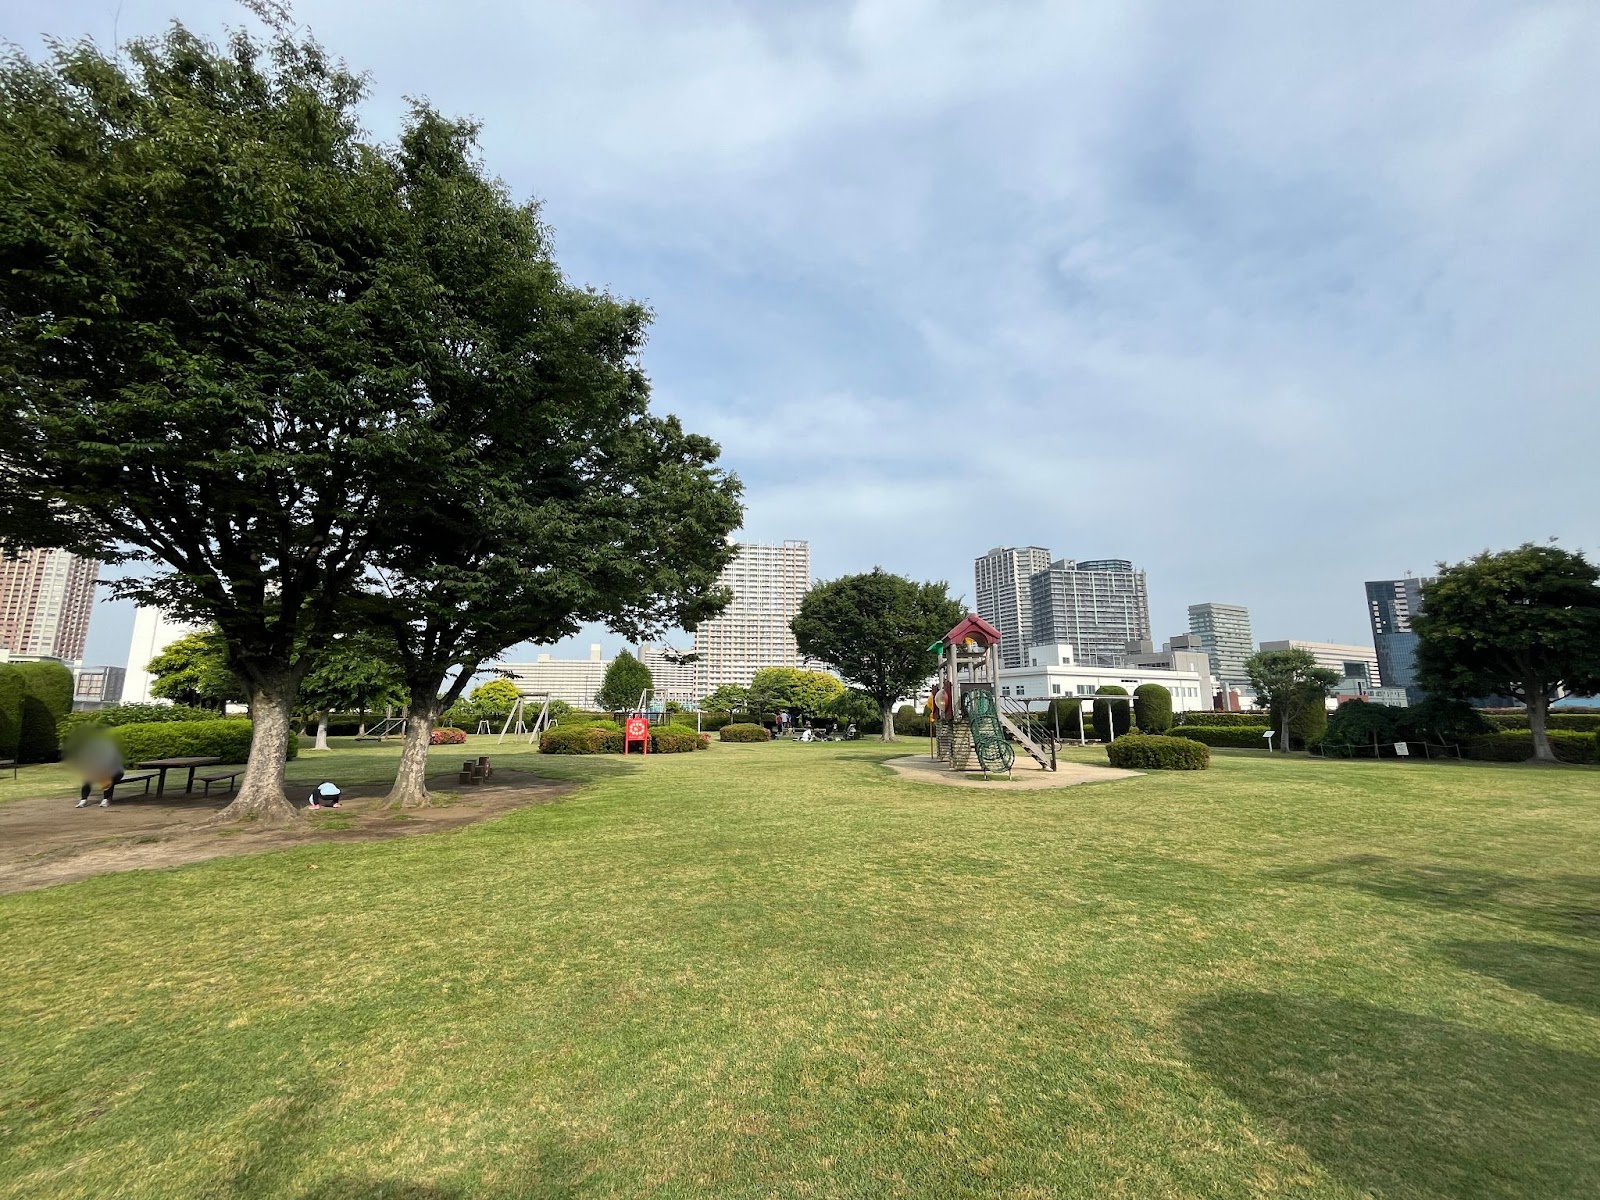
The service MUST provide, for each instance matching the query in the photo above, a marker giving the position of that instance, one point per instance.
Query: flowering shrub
(744, 733)
(446, 736)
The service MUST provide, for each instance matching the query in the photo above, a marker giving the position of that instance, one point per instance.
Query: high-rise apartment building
(573, 681)
(768, 581)
(1000, 585)
(1224, 633)
(46, 597)
(670, 677)
(1391, 605)
(1097, 607)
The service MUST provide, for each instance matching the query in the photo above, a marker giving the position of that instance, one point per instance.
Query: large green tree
(793, 689)
(728, 697)
(1290, 683)
(1523, 623)
(554, 496)
(209, 326)
(874, 629)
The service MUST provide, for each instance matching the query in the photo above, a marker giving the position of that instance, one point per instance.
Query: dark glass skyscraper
(1391, 604)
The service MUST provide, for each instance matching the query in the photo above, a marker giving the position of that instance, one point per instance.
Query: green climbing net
(988, 738)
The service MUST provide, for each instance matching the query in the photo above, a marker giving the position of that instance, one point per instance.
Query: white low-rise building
(1051, 674)
(573, 680)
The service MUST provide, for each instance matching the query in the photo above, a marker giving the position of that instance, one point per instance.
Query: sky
(1271, 299)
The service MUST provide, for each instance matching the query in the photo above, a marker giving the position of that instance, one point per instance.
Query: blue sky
(1270, 299)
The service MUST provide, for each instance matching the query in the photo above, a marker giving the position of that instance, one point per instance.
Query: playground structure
(536, 703)
(972, 720)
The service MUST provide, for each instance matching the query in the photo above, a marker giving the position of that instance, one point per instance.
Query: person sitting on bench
(100, 763)
(326, 795)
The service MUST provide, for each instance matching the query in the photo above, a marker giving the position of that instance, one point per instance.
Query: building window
(1005, 691)
(1022, 689)
(1055, 689)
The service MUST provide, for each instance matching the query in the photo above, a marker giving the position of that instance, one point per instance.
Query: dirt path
(48, 841)
(1026, 776)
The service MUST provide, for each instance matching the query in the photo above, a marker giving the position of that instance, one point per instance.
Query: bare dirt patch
(1027, 776)
(49, 841)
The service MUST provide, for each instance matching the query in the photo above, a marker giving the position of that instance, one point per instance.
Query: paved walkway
(1026, 775)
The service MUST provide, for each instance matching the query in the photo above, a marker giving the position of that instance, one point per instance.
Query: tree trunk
(261, 796)
(1538, 712)
(411, 779)
(322, 731)
(888, 723)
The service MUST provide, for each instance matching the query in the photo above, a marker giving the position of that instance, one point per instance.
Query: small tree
(1112, 719)
(355, 674)
(497, 696)
(875, 629)
(1523, 623)
(728, 698)
(1290, 683)
(193, 670)
(1152, 708)
(626, 679)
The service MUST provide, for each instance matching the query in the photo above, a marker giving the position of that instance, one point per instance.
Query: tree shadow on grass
(1403, 1105)
(1566, 904)
(1558, 974)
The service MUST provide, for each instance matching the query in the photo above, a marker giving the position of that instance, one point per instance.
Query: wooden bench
(218, 777)
(143, 777)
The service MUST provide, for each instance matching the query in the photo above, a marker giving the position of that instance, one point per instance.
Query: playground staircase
(1042, 751)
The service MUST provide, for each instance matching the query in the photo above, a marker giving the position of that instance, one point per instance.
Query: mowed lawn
(778, 970)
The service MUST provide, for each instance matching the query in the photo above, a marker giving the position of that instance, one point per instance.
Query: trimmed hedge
(1152, 752)
(571, 739)
(744, 733)
(12, 692)
(446, 735)
(1216, 720)
(1112, 720)
(1239, 737)
(1511, 745)
(1571, 722)
(135, 714)
(670, 740)
(227, 739)
(1152, 708)
(591, 739)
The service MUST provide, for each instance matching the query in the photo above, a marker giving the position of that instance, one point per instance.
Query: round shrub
(744, 733)
(1109, 716)
(1152, 752)
(447, 736)
(672, 740)
(1152, 708)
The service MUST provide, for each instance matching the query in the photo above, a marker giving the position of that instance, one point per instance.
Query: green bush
(1152, 752)
(1152, 708)
(51, 683)
(37, 739)
(134, 714)
(674, 740)
(713, 721)
(908, 722)
(1512, 745)
(227, 738)
(1567, 722)
(572, 739)
(744, 733)
(12, 693)
(1216, 720)
(1360, 723)
(1067, 715)
(1240, 737)
(1110, 717)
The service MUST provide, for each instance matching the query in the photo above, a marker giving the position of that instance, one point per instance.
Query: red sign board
(636, 729)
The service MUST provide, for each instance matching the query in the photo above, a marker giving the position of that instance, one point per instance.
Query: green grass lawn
(777, 970)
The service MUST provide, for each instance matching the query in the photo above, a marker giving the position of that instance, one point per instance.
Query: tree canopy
(728, 697)
(626, 679)
(1290, 683)
(1523, 623)
(193, 670)
(793, 689)
(874, 629)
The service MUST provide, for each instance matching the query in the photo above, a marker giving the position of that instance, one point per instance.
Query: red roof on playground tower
(976, 628)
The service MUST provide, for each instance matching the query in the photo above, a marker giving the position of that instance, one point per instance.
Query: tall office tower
(1391, 604)
(768, 581)
(46, 597)
(1096, 607)
(1000, 583)
(1224, 633)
